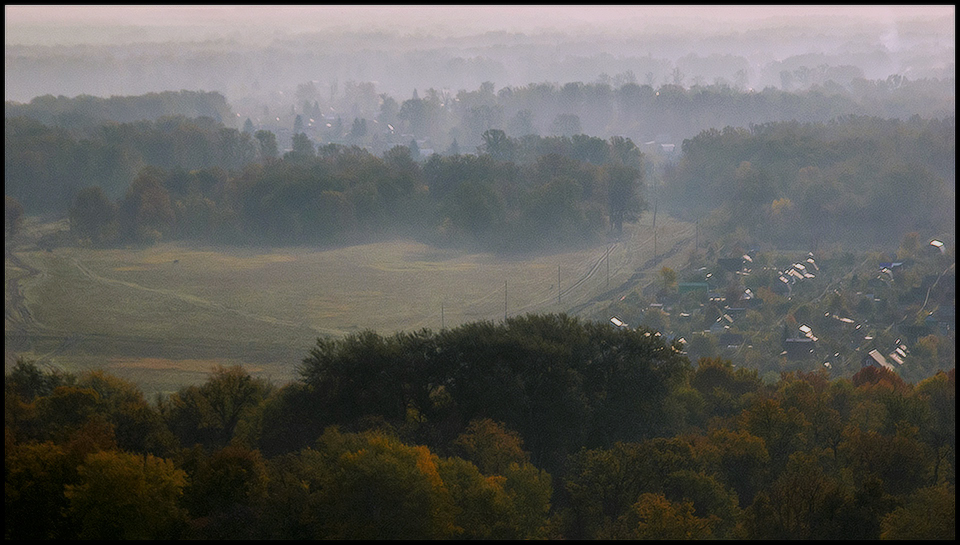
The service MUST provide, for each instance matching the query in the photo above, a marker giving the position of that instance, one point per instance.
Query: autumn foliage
(540, 427)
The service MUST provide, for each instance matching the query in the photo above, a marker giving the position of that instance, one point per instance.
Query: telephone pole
(504, 300)
(558, 284)
(654, 243)
(608, 265)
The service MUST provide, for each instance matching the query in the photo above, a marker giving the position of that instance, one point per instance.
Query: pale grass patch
(164, 364)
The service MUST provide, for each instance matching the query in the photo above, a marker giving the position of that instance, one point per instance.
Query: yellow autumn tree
(653, 516)
(123, 495)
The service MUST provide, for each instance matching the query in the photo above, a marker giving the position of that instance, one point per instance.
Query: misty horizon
(256, 51)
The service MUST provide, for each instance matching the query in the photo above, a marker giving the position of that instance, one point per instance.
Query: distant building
(875, 359)
(687, 287)
(731, 264)
(731, 340)
(735, 312)
(799, 348)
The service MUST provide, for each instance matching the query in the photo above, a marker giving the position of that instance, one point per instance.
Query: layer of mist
(258, 53)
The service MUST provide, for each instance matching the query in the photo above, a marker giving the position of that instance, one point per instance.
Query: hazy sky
(437, 19)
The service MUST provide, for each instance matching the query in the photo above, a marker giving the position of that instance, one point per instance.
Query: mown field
(162, 316)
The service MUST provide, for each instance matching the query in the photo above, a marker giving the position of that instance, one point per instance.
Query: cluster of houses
(875, 359)
(802, 342)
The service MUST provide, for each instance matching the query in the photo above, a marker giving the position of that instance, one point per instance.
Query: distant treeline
(46, 166)
(196, 179)
(87, 111)
(543, 426)
(853, 179)
(359, 114)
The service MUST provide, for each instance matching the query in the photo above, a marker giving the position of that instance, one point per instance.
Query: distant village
(810, 313)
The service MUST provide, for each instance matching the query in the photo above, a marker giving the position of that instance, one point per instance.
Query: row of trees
(853, 179)
(46, 166)
(642, 112)
(85, 111)
(518, 195)
(542, 426)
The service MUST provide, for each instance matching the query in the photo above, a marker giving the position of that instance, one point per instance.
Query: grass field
(162, 316)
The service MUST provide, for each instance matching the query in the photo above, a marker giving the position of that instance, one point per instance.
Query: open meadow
(162, 316)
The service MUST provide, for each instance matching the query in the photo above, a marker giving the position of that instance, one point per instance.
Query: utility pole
(654, 205)
(654, 243)
(654, 202)
(504, 300)
(441, 316)
(558, 284)
(696, 246)
(608, 265)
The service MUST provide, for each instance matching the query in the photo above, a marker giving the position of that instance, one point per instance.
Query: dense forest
(860, 180)
(543, 426)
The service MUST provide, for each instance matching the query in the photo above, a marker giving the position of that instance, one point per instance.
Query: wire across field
(180, 307)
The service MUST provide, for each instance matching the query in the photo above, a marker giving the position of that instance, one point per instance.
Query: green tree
(623, 192)
(359, 129)
(724, 388)
(782, 429)
(497, 144)
(303, 148)
(146, 211)
(268, 144)
(92, 214)
(939, 425)
(356, 376)
(210, 414)
(798, 505)
(738, 459)
(602, 484)
(623, 151)
(138, 427)
(226, 492)
(28, 381)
